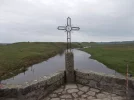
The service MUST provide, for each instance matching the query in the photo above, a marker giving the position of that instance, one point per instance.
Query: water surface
(57, 63)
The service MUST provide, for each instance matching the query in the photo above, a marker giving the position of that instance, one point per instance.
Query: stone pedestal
(69, 67)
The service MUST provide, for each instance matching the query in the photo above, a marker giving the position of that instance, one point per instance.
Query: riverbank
(114, 56)
(17, 57)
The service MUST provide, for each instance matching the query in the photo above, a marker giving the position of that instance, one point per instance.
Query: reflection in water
(57, 63)
(61, 52)
(32, 69)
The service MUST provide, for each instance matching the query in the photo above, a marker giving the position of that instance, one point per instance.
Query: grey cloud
(37, 20)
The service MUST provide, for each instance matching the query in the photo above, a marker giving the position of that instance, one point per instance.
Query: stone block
(81, 80)
(101, 96)
(103, 83)
(90, 75)
(94, 90)
(91, 93)
(70, 86)
(69, 67)
(81, 75)
(66, 96)
(54, 86)
(95, 77)
(13, 92)
(106, 88)
(75, 95)
(120, 81)
(93, 84)
(72, 90)
(80, 93)
(108, 79)
(52, 79)
(84, 88)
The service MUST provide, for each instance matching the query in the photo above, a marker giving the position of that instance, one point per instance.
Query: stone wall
(35, 90)
(105, 83)
(39, 89)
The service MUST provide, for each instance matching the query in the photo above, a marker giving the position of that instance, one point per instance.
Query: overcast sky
(37, 20)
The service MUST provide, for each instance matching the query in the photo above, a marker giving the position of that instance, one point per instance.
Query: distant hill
(83, 44)
(117, 42)
(5, 43)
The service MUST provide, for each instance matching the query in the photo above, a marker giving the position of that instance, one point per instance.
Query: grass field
(114, 56)
(15, 58)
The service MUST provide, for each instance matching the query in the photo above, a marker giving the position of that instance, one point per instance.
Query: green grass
(114, 56)
(17, 57)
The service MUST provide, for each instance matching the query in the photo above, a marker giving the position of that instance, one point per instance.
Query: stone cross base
(69, 67)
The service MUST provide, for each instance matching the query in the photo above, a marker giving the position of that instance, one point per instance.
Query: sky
(37, 20)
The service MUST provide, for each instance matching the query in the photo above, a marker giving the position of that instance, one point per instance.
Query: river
(57, 63)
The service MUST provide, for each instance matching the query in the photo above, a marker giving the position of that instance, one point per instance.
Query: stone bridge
(71, 85)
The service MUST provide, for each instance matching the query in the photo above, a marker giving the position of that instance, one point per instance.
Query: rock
(90, 98)
(64, 92)
(59, 90)
(94, 90)
(81, 80)
(117, 98)
(91, 93)
(113, 95)
(92, 84)
(79, 85)
(80, 92)
(75, 95)
(59, 93)
(55, 99)
(66, 96)
(84, 88)
(101, 96)
(81, 99)
(84, 96)
(70, 86)
(106, 93)
(46, 98)
(53, 95)
(106, 99)
(72, 90)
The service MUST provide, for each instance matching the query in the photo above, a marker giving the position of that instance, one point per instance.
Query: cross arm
(75, 28)
(61, 28)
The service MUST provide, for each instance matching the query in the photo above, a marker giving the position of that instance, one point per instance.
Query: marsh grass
(114, 56)
(17, 57)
